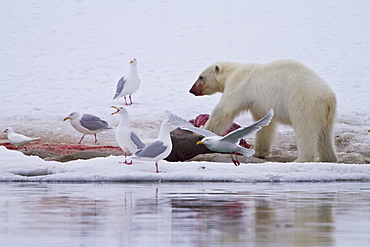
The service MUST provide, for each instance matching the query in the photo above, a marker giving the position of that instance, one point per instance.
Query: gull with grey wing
(227, 143)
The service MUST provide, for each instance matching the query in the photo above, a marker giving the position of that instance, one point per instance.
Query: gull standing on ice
(128, 84)
(18, 139)
(227, 143)
(87, 124)
(126, 139)
(159, 149)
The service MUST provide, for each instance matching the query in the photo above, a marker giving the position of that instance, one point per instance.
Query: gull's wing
(120, 85)
(185, 125)
(242, 132)
(139, 144)
(19, 138)
(92, 122)
(151, 151)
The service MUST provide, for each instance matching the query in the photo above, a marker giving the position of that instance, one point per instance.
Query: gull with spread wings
(227, 143)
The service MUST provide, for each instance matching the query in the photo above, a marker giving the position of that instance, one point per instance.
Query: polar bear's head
(209, 81)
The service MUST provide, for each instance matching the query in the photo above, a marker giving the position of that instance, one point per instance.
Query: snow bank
(14, 166)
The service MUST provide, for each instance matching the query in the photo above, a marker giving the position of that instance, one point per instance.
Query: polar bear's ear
(217, 68)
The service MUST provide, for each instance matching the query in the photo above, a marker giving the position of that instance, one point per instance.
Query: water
(185, 214)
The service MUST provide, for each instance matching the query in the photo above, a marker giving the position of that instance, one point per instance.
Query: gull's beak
(116, 109)
(66, 118)
(200, 142)
(131, 61)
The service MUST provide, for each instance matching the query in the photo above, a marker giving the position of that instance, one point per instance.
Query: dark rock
(83, 155)
(184, 145)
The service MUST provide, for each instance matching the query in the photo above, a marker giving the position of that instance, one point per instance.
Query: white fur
(298, 95)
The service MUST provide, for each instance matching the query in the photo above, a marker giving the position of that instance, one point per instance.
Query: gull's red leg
(81, 138)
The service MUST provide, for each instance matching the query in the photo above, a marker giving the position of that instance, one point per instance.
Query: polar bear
(298, 95)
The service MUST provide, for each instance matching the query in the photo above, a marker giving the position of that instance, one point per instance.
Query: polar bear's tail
(331, 108)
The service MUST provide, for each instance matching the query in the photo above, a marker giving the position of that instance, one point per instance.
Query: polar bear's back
(287, 86)
(287, 73)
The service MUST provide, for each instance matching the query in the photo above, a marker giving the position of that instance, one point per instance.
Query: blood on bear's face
(198, 87)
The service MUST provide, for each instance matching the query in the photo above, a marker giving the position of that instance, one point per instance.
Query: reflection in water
(84, 212)
(204, 219)
(211, 214)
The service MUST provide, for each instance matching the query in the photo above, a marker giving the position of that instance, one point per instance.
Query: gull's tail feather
(245, 151)
(177, 121)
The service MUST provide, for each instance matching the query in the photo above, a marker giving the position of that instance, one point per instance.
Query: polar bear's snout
(197, 89)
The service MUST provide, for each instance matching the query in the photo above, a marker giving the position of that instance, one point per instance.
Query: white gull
(159, 149)
(128, 84)
(18, 139)
(126, 139)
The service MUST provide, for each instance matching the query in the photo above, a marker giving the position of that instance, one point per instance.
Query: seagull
(87, 124)
(227, 143)
(128, 84)
(159, 149)
(126, 139)
(18, 139)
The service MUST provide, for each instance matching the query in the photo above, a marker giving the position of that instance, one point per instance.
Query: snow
(110, 170)
(64, 56)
